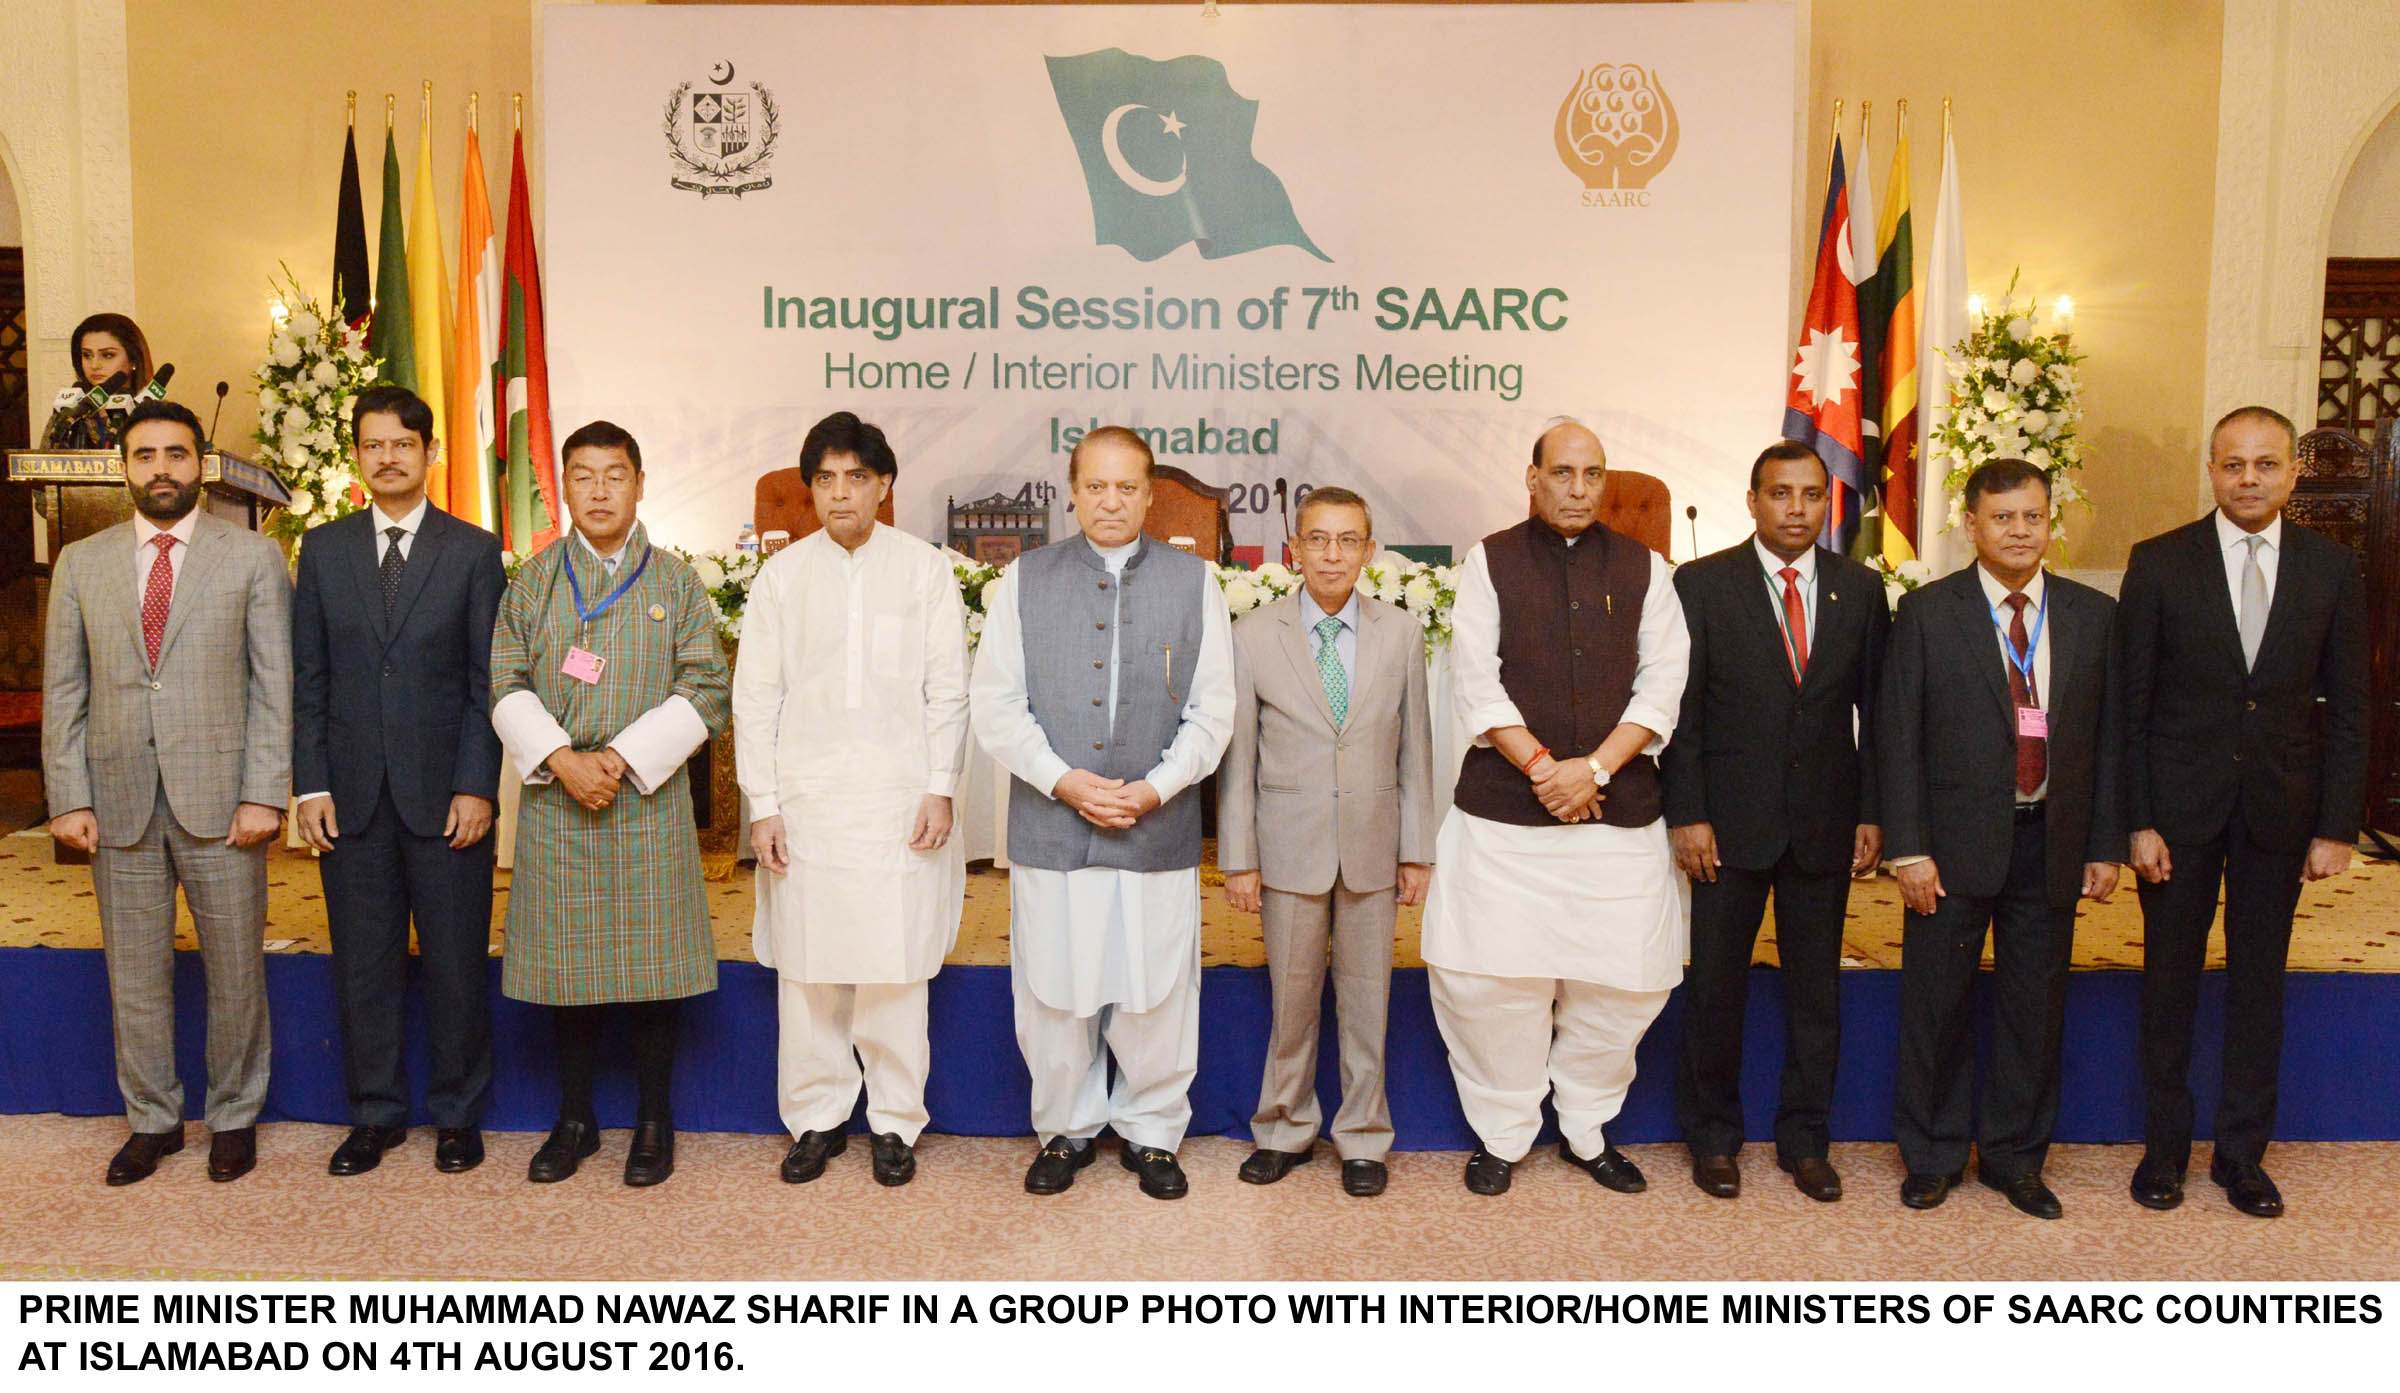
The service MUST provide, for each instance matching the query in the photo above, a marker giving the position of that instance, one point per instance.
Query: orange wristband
(1529, 759)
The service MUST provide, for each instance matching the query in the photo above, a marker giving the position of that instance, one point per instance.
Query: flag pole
(350, 108)
(516, 111)
(1866, 124)
(1945, 121)
(388, 100)
(425, 107)
(1835, 141)
(472, 99)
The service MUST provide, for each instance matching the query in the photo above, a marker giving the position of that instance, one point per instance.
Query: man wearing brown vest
(1557, 925)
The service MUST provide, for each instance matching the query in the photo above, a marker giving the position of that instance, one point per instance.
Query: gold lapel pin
(658, 611)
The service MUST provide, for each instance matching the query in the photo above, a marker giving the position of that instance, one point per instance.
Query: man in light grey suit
(166, 752)
(1324, 826)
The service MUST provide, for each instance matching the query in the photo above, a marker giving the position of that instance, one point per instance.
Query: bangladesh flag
(1166, 157)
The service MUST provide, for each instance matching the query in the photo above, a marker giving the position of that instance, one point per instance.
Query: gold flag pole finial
(1835, 142)
(472, 99)
(425, 105)
(1945, 120)
(350, 107)
(516, 111)
(1866, 123)
(1903, 115)
(388, 102)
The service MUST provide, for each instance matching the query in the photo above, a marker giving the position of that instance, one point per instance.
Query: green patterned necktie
(1329, 667)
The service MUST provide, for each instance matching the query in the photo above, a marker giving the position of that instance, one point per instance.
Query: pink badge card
(583, 666)
(2033, 721)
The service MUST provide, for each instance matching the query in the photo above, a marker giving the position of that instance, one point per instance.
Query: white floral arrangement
(1426, 591)
(1246, 589)
(726, 576)
(972, 577)
(1900, 577)
(315, 367)
(2014, 394)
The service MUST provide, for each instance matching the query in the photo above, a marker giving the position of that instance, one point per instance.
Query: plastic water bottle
(748, 541)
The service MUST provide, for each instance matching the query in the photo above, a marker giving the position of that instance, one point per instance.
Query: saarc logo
(1616, 130)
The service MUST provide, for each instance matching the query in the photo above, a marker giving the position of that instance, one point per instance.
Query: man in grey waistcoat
(1104, 685)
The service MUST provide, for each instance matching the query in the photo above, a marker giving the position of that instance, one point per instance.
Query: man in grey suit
(166, 752)
(1332, 757)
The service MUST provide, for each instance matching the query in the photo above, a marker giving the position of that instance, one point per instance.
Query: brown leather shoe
(1720, 1176)
(139, 1155)
(1813, 1176)
(232, 1153)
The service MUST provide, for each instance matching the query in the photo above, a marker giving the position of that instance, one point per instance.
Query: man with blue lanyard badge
(1998, 749)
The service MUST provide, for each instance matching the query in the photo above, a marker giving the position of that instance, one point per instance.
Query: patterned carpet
(725, 1216)
(2349, 924)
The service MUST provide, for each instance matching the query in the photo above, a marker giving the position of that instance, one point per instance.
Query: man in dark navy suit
(1770, 787)
(400, 771)
(2243, 641)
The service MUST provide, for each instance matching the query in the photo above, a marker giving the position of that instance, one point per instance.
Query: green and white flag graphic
(1166, 155)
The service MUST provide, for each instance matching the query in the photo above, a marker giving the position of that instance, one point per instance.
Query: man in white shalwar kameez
(1104, 684)
(1557, 924)
(850, 729)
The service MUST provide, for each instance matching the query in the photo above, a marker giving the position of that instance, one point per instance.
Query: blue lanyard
(2033, 640)
(588, 615)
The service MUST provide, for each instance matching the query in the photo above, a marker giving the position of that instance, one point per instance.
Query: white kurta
(1586, 903)
(1081, 940)
(849, 708)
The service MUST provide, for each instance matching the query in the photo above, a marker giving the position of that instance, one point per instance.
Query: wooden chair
(1182, 506)
(784, 504)
(1637, 505)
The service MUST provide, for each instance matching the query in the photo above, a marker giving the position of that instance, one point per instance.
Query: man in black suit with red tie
(1998, 748)
(2243, 642)
(398, 769)
(1768, 789)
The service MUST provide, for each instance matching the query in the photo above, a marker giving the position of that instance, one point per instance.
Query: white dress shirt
(1995, 595)
(1345, 638)
(653, 747)
(145, 552)
(1806, 565)
(2231, 539)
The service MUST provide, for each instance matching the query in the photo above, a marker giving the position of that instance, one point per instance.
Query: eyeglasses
(1350, 543)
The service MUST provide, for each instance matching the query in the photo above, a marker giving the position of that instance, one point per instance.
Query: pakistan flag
(1166, 154)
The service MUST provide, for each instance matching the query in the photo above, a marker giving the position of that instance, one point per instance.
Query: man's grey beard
(171, 509)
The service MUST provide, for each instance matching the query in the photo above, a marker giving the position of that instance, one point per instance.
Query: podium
(80, 492)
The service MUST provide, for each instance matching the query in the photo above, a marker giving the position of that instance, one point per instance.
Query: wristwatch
(1599, 770)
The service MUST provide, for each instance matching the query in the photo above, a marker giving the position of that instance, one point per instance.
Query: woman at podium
(105, 345)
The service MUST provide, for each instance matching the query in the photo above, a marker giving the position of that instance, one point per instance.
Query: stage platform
(2341, 1072)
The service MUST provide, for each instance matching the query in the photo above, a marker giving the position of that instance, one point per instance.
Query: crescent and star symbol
(722, 73)
(1134, 178)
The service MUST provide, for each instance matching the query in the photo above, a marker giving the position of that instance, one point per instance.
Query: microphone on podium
(109, 403)
(216, 415)
(1691, 514)
(157, 390)
(1283, 499)
(64, 408)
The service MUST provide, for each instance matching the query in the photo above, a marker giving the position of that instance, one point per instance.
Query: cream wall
(2366, 222)
(2086, 130)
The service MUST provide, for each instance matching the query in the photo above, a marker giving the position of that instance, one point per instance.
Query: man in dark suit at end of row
(1770, 787)
(2243, 642)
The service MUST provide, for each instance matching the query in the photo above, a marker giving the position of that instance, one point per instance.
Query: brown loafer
(232, 1153)
(1720, 1176)
(139, 1156)
(1813, 1176)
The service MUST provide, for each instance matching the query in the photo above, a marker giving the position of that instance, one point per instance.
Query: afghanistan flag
(1822, 410)
(531, 513)
(392, 336)
(353, 292)
(1166, 157)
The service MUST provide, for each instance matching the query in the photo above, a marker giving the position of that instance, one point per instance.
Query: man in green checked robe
(606, 675)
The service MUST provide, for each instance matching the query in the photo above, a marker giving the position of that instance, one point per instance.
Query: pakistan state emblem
(720, 140)
(1616, 130)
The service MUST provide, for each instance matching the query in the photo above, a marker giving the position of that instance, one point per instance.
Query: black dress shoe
(1720, 1176)
(652, 1157)
(2026, 1192)
(1054, 1166)
(2157, 1185)
(457, 1149)
(363, 1149)
(1265, 1167)
(895, 1160)
(563, 1151)
(1813, 1176)
(1612, 1168)
(139, 1155)
(1487, 1174)
(806, 1160)
(1162, 1177)
(1926, 1190)
(232, 1153)
(2248, 1188)
(1364, 1179)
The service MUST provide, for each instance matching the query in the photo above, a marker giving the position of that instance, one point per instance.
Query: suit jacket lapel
(359, 560)
(1830, 608)
(2216, 597)
(1373, 630)
(128, 583)
(1975, 621)
(1758, 608)
(207, 549)
(1303, 655)
(432, 534)
(2289, 578)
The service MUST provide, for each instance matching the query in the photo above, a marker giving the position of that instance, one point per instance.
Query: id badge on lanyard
(2032, 721)
(582, 664)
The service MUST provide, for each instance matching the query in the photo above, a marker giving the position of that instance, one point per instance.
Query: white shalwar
(1551, 949)
(1098, 955)
(849, 709)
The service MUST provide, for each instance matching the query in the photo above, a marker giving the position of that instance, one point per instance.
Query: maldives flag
(531, 511)
(1823, 408)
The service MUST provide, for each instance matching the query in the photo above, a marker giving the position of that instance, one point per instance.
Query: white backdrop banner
(1374, 246)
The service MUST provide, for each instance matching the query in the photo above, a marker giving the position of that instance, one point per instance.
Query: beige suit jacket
(1302, 801)
(213, 723)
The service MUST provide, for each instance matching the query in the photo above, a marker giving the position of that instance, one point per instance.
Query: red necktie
(2033, 752)
(156, 597)
(1795, 623)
